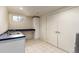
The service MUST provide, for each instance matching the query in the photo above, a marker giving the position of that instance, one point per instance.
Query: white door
(52, 25)
(66, 38)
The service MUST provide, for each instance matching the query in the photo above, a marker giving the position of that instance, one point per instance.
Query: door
(52, 27)
(66, 38)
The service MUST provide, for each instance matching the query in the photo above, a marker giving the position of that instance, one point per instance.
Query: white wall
(68, 25)
(25, 23)
(3, 19)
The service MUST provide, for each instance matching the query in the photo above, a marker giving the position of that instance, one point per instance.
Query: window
(17, 18)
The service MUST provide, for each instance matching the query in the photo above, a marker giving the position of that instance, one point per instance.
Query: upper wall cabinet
(3, 19)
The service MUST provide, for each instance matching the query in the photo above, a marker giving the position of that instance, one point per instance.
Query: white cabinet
(68, 27)
(48, 28)
(60, 31)
(66, 38)
(13, 46)
(52, 28)
(67, 24)
(43, 27)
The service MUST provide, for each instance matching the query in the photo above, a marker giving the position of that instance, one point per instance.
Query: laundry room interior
(39, 29)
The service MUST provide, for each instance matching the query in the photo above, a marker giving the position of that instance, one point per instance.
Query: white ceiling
(32, 10)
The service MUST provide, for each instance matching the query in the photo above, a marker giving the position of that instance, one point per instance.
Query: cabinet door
(66, 38)
(52, 25)
(13, 46)
(43, 34)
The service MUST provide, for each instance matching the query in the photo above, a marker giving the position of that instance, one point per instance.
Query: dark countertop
(11, 35)
(21, 30)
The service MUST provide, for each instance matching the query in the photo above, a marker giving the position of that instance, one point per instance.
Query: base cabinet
(12, 46)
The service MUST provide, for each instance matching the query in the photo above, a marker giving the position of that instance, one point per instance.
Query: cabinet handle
(57, 32)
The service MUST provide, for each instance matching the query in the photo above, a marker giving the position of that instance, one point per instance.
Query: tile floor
(39, 46)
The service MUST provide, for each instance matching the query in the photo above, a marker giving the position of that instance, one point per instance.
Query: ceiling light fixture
(21, 8)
